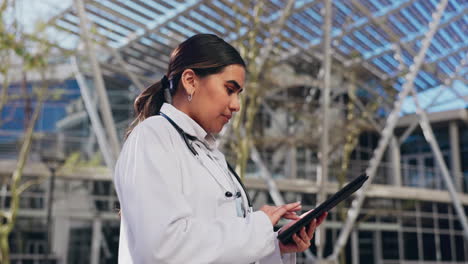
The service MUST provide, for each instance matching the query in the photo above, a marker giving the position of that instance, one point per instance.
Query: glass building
(408, 216)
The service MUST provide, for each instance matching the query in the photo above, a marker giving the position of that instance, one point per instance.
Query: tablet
(285, 236)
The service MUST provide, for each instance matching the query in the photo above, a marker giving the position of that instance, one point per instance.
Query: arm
(161, 225)
(277, 258)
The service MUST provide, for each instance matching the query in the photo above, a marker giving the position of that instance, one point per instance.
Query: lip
(228, 117)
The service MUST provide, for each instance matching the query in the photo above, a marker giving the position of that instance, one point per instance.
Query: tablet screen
(285, 234)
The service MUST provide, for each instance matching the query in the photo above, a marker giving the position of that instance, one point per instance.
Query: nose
(234, 105)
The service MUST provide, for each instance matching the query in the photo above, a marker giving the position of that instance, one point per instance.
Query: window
(427, 222)
(79, 245)
(410, 241)
(409, 221)
(426, 207)
(442, 208)
(366, 247)
(329, 243)
(443, 223)
(429, 248)
(390, 245)
(445, 247)
(459, 248)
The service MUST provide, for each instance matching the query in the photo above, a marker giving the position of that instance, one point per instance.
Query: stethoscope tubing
(186, 137)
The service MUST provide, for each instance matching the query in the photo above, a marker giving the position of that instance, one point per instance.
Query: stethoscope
(188, 139)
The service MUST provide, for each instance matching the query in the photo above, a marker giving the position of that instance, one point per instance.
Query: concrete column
(395, 160)
(455, 155)
(292, 162)
(354, 247)
(96, 241)
(61, 235)
(378, 247)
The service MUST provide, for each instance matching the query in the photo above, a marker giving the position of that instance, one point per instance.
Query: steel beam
(324, 146)
(387, 133)
(96, 125)
(169, 17)
(274, 32)
(352, 28)
(397, 40)
(398, 43)
(431, 139)
(448, 82)
(98, 82)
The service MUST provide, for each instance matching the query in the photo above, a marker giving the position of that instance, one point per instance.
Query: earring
(190, 97)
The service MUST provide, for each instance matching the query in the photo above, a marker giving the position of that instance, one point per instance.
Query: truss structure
(413, 44)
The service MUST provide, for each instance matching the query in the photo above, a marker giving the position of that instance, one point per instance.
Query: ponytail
(147, 104)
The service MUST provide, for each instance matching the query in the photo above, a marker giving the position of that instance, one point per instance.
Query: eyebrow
(235, 84)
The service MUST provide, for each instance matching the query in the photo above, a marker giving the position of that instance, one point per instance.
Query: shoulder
(153, 129)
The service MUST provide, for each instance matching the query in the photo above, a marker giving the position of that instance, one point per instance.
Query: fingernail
(298, 202)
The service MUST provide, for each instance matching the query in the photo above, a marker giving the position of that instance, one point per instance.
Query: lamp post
(53, 163)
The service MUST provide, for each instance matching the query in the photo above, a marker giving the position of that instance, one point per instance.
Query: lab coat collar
(189, 125)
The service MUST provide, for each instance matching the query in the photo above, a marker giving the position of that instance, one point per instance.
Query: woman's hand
(288, 211)
(302, 241)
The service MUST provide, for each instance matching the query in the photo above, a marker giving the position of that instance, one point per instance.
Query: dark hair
(205, 54)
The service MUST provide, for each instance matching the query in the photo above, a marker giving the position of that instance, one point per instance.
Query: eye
(230, 90)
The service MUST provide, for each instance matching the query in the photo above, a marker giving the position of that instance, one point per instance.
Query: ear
(189, 81)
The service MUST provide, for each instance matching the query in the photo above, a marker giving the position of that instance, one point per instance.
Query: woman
(180, 202)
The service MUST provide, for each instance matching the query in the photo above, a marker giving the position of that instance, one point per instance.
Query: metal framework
(416, 44)
(153, 28)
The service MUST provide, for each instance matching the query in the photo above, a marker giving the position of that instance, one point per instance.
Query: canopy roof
(380, 35)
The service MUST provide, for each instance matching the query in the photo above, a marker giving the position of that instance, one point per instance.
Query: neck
(180, 102)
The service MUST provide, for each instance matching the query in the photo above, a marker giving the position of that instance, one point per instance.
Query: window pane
(390, 245)
(409, 221)
(442, 208)
(426, 207)
(445, 248)
(410, 240)
(429, 246)
(443, 223)
(457, 225)
(408, 205)
(366, 247)
(427, 222)
(459, 248)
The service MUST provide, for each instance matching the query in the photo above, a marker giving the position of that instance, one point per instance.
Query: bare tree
(31, 51)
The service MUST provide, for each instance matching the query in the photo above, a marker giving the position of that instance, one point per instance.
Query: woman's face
(216, 98)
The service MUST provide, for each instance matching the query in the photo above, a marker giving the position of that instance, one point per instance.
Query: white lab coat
(173, 211)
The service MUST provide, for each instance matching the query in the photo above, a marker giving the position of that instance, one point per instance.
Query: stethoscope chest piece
(229, 194)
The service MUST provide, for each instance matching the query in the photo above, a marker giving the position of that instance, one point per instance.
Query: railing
(32, 259)
(411, 175)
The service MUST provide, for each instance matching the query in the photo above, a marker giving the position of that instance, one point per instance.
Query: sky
(30, 12)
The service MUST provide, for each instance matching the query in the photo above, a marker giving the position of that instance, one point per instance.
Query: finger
(299, 242)
(281, 210)
(291, 217)
(291, 207)
(304, 235)
(290, 213)
(296, 208)
(322, 218)
(299, 208)
(312, 227)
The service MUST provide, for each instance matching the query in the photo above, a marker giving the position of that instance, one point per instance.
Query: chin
(216, 130)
